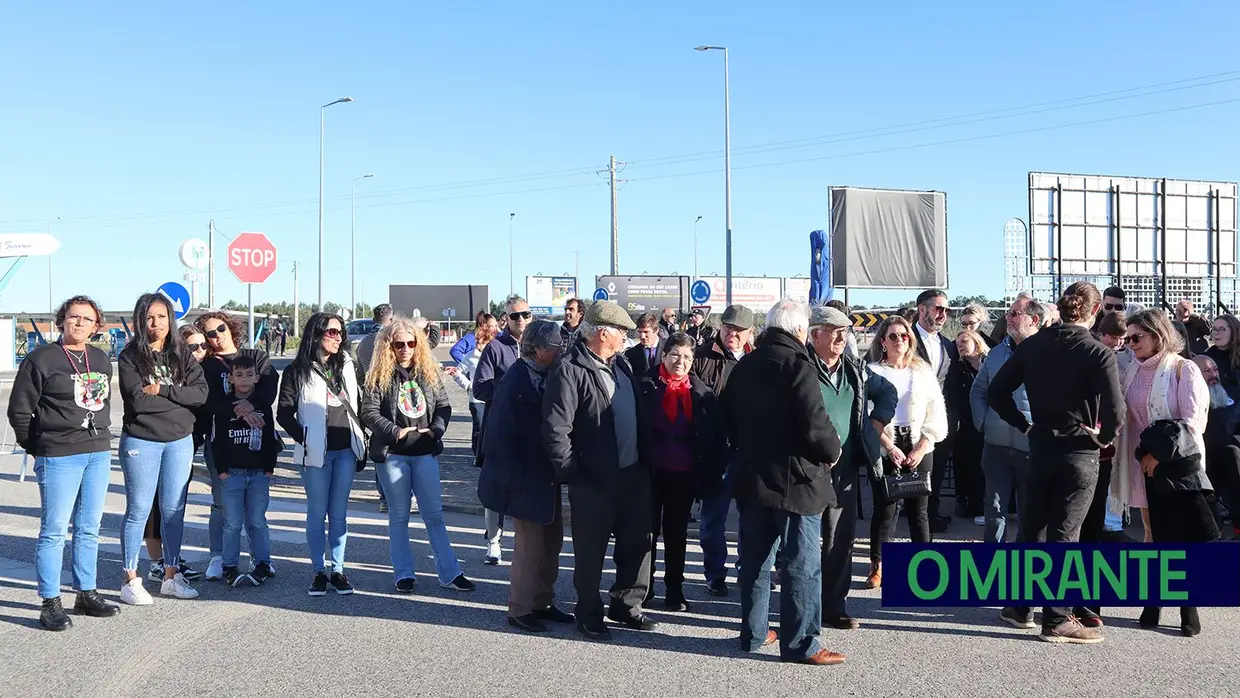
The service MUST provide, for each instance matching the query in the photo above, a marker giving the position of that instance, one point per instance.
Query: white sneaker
(979, 520)
(134, 594)
(494, 554)
(178, 587)
(215, 570)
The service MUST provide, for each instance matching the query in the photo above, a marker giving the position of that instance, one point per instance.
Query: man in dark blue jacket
(847, 388)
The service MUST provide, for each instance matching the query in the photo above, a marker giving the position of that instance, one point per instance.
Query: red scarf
(677, 398)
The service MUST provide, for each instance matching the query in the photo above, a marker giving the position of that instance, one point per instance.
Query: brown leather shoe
(875, 579)
(771, 638)
(823, 658)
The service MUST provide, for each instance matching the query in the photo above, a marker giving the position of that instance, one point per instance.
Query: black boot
(90, 603)
(1149, 617)
(1190, 623)
(53, 616)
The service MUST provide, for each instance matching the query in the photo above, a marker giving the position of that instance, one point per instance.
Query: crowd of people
(1065, 419)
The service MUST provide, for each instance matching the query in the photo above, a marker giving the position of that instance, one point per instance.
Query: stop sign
(251, 258)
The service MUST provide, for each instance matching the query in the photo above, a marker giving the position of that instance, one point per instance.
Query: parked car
(358, 329)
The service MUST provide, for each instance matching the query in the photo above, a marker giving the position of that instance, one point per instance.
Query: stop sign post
(252, 259)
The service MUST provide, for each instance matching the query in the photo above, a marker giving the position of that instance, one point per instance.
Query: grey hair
(513, 300)
(541, 334)
(789, 315)
(1034, 308)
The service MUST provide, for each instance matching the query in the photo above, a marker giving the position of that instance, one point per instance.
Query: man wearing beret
(590, 429)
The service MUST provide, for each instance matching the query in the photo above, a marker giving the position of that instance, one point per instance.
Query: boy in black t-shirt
(245, 450)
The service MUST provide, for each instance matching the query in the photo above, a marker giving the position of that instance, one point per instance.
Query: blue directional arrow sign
(178, 296)
(600, 294)
(699, 292)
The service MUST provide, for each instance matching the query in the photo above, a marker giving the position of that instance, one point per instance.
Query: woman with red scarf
(681, 449)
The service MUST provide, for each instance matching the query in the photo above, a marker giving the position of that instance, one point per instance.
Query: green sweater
(838, 403)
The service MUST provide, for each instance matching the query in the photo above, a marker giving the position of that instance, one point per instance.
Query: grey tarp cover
(883, 238)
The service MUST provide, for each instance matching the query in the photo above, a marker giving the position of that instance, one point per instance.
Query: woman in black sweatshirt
(59, 410)
(407, 411)
(161, 385)
(224, 335)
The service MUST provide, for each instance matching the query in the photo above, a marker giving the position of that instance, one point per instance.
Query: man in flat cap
(848, 387)
(590, 429)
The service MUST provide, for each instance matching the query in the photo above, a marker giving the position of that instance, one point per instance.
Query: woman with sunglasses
(908, 440)
(224, 335)
(1162, 387)
(197, 348)
(59, 410)
(318, 407)
(161, 386)
(406, 409)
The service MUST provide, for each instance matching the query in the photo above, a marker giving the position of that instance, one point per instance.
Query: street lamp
(727, 166)
(695, 222)
(353, 243)
(322, 109)
(512, 283)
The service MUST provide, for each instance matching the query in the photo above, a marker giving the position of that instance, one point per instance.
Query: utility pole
(211, 263)
(296, 328)
(576, 271)
(615, 222)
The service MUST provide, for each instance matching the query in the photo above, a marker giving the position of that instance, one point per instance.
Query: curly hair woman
(407, 411)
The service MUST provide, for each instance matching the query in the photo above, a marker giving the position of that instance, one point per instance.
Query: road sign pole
(249, 300)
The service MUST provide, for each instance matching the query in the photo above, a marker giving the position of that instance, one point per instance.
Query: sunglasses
(219, 329)
(411, 344)
(897, 336)
(1134, 338)
(196, 346)
(331, 333)
(523, 315)
(939, 309)
(1112, 306)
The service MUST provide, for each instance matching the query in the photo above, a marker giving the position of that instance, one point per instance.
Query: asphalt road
(276, 640)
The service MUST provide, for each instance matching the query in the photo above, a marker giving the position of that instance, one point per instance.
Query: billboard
(797, 289)
(1130, 226)
(638, 294)
(440, 302)
(888, 238)
(758, 293)
(547, 294)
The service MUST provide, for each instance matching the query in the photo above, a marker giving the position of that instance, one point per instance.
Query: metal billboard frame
(1115, 197)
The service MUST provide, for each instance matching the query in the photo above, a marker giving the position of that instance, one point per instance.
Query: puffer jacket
(996, 431)
(1180, 461)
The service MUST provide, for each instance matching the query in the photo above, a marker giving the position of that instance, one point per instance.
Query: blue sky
(133, 127)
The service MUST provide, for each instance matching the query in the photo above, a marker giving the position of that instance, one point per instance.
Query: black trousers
(1094, 526)
(476, 428)
(916, 509)
(621, 508)
(839, 530)
(942, 454)
(967, 464)
(1223, 469)
(673, 501)
(1059, 492)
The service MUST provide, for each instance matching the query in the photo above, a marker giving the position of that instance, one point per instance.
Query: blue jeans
(246, 494)
(148, 465)
(417, 476)
(327, 498)
(215, 524)
(70, 487)
(799, 538)
(1006, 470)
(712, 536)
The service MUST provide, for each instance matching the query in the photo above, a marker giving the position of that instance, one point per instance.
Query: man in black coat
(590, 426)
(712, 364)
(944, 360)
(648, 351)
(774, 416)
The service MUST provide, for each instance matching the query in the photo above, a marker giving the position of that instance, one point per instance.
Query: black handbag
(906, 485)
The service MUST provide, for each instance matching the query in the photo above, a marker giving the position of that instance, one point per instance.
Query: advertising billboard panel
(638, 294)
(439, 302)
(548, 294)
(797, 289)
(888, 238)
(758, 293)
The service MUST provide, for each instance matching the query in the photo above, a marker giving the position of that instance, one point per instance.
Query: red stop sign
(251, 258)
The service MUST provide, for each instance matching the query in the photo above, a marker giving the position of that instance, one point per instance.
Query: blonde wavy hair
(383, 361)
(878, 355)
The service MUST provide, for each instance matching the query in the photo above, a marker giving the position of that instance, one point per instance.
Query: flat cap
(608, 314)
(738, 316)
(825, 315)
